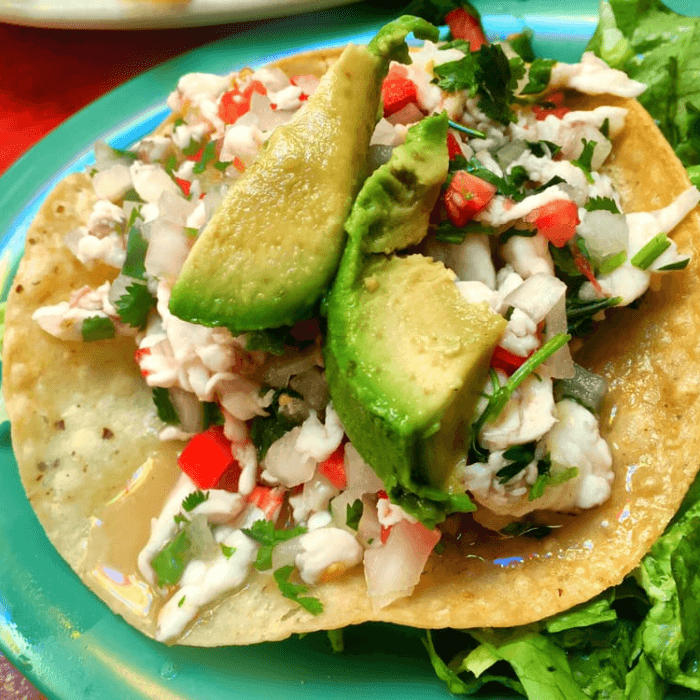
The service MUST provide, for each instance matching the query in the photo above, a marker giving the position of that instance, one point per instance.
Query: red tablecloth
(45, 76)
(48, 74)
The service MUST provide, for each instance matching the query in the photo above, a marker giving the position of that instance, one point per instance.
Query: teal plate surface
(53, 628)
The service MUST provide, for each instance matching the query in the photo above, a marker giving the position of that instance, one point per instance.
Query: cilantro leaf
(212, 414)
(602, 204)
(135, 304)
(294, 591)
(171, 561)
(538, 148)
(521, 43)
(550, 478)
(264, 532)
(585, 159)
(192, 500)
(435, 11)
(227, 551)
(208, 154)
(538, 76)
(335, 637)
(97, 328)
(136, 247)
(579, 313)
(164, 406)
(459, 75)
(509, 185)
(264, 430)
(354, 513)
(522, 455)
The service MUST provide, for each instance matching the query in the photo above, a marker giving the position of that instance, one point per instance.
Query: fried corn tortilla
(84, 431)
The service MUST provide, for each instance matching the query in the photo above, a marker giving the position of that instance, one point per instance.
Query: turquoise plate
(53, 628)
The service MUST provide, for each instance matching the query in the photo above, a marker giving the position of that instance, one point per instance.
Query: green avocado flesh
(272, 247)
(406, 356)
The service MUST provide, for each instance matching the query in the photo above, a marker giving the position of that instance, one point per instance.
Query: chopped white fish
(469, 260)
(389, 513)
(220, 506)
(501, 210)
(325, 548)
(317, 440)
(150, 181)
(528, 255)
(527, 416)
(520, 335)
(315, 496)
(593, 76)
(285, 464)
(112, 183)
(203, 582)
(241, 141)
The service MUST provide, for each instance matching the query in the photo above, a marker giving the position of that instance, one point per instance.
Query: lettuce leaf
(660, 48)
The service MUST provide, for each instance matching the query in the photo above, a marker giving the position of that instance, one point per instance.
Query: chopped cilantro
(164, 406)
(526, 233)
(221, 165)
(445, 232)
(227, 551)
(547, 477)
(192, 500)
(97, 328)
(212, 414)
(435, 11)
(556, 180)
(181, 602)
(474, 133)
(191, 231)
(460, 44)
(678, 265)
(294, 591)
(585, 159)
(170, 562)
(192, 148)
(135, 304)
(180, 519)
(521, 43)
(208, 154)
(522, 455)
(264, 532)
(602, 204)
(264, 430)
(543, 149)
(579, 313)
(612, 262)
(488, 73)
(538, 76)
(354, 513)
(605, 128)
(121, 153)
(649, 252)
(170, 164)
(136, 248)
(509, 185)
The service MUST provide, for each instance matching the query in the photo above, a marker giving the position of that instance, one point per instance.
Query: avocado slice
(272, 247)
(406, 356)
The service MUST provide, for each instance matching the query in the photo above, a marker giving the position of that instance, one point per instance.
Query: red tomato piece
(466, 196)
(465, 26)
(384, 534)
(234, 103)
(206, 457)
(184, 186)
(333, 468)
(267, 499)
(453, 148)
(397, 90)
(557, 221)
(558, 111)
(506, 360)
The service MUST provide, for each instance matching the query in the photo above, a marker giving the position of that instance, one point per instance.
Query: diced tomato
(141, 352)
(234, 103)
(556, 221)
(184, 186)
(397, 90)
(267, 499)
(465, 26)
(453, 149)
(558, 110)
(466, 196)
(333, 468)
(196, 156)
(206, 457)
(506, 360)
(384, 534)
(382, 494)
(239, 164)
(584, 267)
